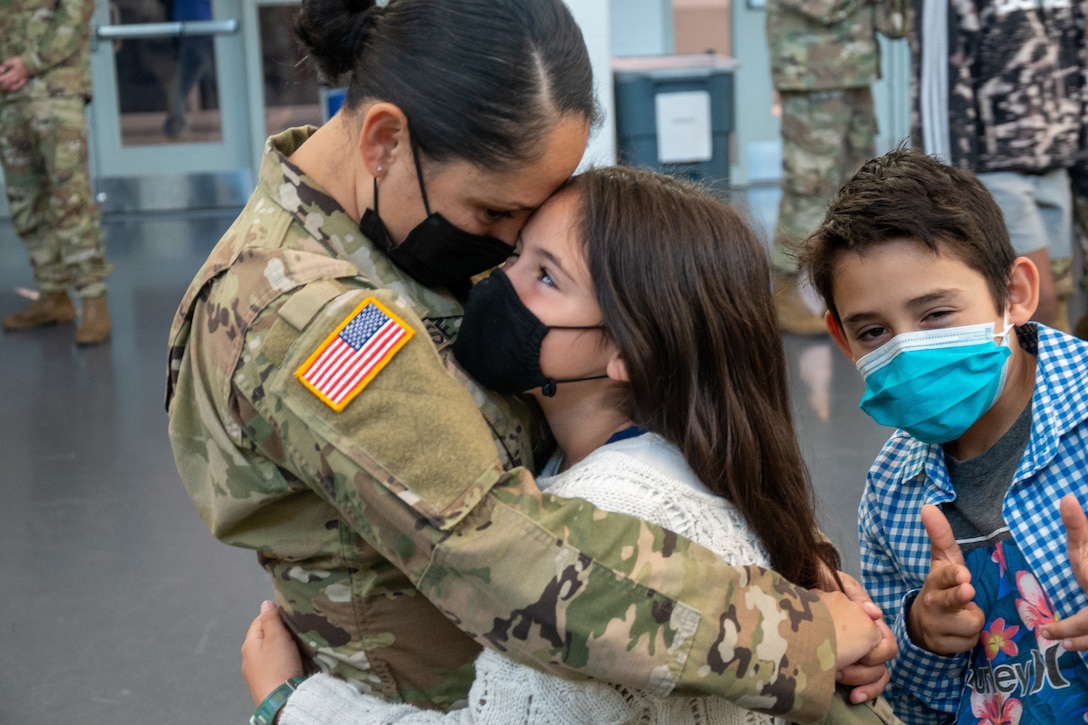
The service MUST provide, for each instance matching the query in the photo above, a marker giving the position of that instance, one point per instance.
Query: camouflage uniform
(824, 57)
(356, 514)
(43, 144)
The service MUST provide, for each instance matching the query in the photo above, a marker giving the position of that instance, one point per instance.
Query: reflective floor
(118, 606)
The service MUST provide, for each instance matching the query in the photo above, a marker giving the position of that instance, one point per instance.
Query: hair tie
(361, 27)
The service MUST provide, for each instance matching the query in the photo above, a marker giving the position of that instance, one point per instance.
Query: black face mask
(499, 341)
(435, 252)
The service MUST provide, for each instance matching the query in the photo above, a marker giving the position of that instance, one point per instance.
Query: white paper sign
(683, 127)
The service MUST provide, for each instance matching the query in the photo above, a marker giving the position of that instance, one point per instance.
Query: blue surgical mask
(935, 384)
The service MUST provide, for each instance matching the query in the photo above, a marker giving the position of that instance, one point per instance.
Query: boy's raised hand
(944, 619)
(1073, 630)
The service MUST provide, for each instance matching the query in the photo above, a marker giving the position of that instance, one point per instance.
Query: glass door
(169, 121)
(284, 90)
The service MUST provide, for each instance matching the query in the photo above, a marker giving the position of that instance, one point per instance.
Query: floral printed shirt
(1015, 676)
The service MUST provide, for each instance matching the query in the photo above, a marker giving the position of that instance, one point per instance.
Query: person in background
(973, 539)
(45, 85)
(999, 88)
(824, 59)
(195, 61)
(711, 455)
(317, 415)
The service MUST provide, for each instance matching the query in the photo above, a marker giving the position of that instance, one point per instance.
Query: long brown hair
(684, 287)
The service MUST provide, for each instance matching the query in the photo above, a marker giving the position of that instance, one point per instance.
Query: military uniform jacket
(52, 38)
(356, 513)
(828, 44)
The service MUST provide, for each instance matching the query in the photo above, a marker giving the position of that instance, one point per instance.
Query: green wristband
(271, 705)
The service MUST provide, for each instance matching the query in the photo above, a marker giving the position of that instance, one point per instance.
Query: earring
(380, 168)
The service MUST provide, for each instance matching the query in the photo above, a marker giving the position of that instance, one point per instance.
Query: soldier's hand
(13, 74)
(943, 618)
(269, 654)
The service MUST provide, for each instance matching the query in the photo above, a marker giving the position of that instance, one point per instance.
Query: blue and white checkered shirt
(895, 550)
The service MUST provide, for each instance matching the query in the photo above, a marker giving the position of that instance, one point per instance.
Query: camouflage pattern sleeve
(56, 37)
(555, 584)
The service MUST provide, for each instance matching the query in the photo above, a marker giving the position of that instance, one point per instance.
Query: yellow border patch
(337, 371)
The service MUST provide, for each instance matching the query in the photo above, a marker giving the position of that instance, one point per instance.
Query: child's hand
(269, 655)
(856, 634)
(1073, 631)
(868, 676)
(13, 74)
(944, 619)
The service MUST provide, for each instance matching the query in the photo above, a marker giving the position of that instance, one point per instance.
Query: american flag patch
(354, 353)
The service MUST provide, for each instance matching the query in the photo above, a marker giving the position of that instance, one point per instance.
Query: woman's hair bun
(332, 32)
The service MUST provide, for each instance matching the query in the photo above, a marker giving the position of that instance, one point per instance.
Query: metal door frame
(174, 176)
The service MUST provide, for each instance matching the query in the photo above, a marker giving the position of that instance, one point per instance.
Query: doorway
(185, 93)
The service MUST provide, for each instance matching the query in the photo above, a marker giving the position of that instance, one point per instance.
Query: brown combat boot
(794, 314)
(49, 309)
(94, 328)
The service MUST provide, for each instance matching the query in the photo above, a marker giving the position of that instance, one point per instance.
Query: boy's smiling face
(903, 286)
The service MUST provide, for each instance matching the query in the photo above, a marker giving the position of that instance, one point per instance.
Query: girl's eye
(546, 278)
(495, 215)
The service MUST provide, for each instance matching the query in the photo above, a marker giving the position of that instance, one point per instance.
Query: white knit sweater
(642, 476)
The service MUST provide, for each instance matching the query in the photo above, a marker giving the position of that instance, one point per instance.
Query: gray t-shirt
(981, 483)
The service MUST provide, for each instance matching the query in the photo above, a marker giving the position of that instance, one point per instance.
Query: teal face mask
(935, 384)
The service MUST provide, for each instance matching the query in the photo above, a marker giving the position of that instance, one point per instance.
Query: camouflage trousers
(826, 137)
(43, 148)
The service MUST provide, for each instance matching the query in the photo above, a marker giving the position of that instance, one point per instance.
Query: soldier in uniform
(45, 85)
(317, 414)
(824, 59)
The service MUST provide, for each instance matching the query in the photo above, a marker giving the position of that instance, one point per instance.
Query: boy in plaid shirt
(973, 540)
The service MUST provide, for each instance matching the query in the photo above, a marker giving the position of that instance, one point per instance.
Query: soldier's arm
(65, 36)
(553, 583)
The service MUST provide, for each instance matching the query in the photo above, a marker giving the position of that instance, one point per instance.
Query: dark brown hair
(684, 288)
(482, 80)
(906, 194)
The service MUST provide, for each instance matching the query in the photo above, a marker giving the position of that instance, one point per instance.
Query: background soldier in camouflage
(44, 88)
(824, 57)
(403, 530)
